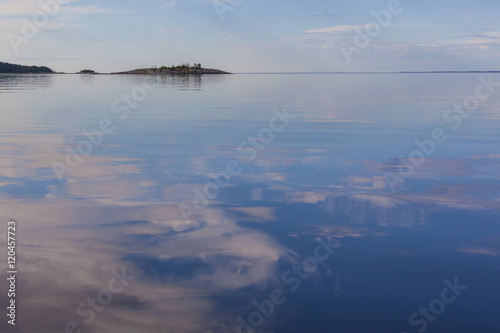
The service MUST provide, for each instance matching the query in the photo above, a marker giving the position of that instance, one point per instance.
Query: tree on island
(21, 69)
(184, 67)
(87, 71)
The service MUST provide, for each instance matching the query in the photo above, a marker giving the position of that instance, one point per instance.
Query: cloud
(435, 25)
(337, 29)
(168, 30)
(63, 17)
(479, 251)
(31, 7)
(328, 14)
(19, 8)
(168, 5)
(85, 10)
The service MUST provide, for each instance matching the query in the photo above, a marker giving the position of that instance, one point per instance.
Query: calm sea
(252, 203)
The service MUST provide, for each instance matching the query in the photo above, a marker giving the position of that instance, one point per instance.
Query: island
(87, 71)
(7, 68)
(180, 69)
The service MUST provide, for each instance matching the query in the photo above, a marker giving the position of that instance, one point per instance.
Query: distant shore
(8, 68)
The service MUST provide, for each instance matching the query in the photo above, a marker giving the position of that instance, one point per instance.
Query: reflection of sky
(324, 175)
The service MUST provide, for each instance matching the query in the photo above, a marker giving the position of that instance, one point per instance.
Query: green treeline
(183, 67)
(12, 68)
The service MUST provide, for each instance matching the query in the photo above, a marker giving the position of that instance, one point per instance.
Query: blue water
(253, 203)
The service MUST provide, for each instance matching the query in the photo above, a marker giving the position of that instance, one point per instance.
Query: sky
(252, 35)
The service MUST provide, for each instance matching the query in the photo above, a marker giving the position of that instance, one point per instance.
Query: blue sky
(254, 35)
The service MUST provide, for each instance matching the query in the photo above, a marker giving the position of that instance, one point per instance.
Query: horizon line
(378, 72)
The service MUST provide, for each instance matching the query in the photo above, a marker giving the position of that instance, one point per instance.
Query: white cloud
(479, 251)
(168, 5)
(19, 8)
(84, 10)
(337, 29)
(168, 30)
(30, 7)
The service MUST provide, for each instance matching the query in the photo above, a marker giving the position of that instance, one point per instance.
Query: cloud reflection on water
(120, 206)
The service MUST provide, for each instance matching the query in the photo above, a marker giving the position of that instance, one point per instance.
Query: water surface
(318, 176)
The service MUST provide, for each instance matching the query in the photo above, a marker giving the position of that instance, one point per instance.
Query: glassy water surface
(253, 203)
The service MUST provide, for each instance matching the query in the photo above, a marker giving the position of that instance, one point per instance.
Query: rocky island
(182, 69)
